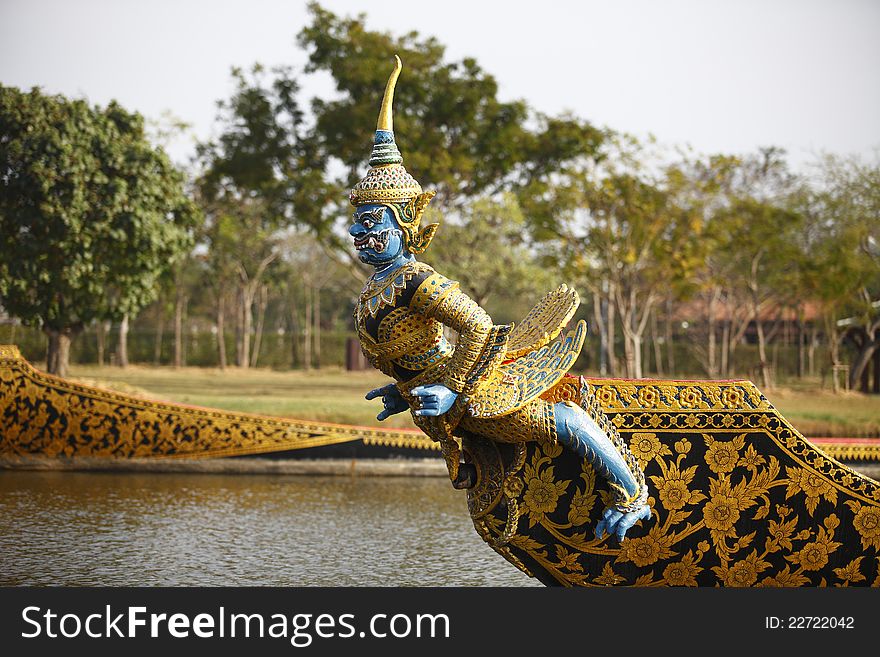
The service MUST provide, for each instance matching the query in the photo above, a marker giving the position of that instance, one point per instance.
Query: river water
(126, 529)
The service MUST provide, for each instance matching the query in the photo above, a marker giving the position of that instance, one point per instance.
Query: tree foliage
(90, 213)
(842, 270)
(486, 248)
(456, 135)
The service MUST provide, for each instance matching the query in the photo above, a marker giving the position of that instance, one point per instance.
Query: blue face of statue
(378, 237)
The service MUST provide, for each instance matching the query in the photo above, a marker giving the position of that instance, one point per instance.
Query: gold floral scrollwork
(542, 491)
(851, 573)
(646, 447)
(52, 417)
(513, 486)
(738, 498)
(647, 550)
(812, 485)
(743, 572)
(684, 571)
(867, 523)
(722, 456)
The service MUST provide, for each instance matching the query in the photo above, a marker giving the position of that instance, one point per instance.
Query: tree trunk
(122, 351)
(725, 349)
(756, 315)
(261, 319)
(238, 326)
(658, 355)
(58, 354)
(160, 334)
(100, 335)
(221, 329)
(248, 287)
(801, 352)
(628, 356)
(246, 312)
(634, 329)
(317, 334)
(860, 364)
(833, 350)
(638, 372)
(600, 316)
(712, 358)
(811, 349)
(735, 336)
(634, 336)
(762, 354)
(670, 337)
(307, 330)
(612, 338)
(294, 326)
(179, 308)
(876, 387)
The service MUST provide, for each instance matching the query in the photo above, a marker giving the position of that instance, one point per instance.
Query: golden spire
(386, 120)
(389, 184)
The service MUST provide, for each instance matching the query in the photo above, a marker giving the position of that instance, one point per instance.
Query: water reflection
(242, 530)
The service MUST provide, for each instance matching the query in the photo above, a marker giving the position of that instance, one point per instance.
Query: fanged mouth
(376, 241)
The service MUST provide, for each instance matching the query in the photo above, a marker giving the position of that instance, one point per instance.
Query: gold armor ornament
(499, 372)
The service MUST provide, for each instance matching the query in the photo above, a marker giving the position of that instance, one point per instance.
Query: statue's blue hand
(436, 399)
(391, 399)
(616, 522)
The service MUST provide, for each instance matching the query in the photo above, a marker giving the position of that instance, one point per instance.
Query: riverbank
(262, 466)
(248, 465)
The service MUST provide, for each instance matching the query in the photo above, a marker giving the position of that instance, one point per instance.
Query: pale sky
(718, 75)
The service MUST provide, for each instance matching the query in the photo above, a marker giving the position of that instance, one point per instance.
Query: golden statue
(492, 383)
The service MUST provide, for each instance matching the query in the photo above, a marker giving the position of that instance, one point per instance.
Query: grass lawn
(821, 413)
(335, 395)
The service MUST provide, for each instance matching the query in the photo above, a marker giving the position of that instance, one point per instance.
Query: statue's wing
(515, 383)
(544, 322)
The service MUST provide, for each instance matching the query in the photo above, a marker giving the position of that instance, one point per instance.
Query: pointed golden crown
(388, 182)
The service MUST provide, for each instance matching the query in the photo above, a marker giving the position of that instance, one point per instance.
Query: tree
(466, 141)
(308, 274)
(842, 266)
(455, 134)
(90, 215)
(702, 185)
(487, 251)
(242, 242)
(756, 251)
(259, 177)
(627, 235)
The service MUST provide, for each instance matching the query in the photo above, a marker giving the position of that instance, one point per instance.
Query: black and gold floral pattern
(739, 498)
(50, 416)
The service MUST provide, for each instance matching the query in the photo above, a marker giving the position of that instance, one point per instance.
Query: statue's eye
(367, 223)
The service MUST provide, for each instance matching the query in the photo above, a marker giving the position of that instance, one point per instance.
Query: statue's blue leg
(578, 432)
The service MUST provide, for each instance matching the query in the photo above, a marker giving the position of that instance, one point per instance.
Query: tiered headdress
(388, 183)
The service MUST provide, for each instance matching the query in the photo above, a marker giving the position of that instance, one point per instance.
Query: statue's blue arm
(436, 399)
(391, 400)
